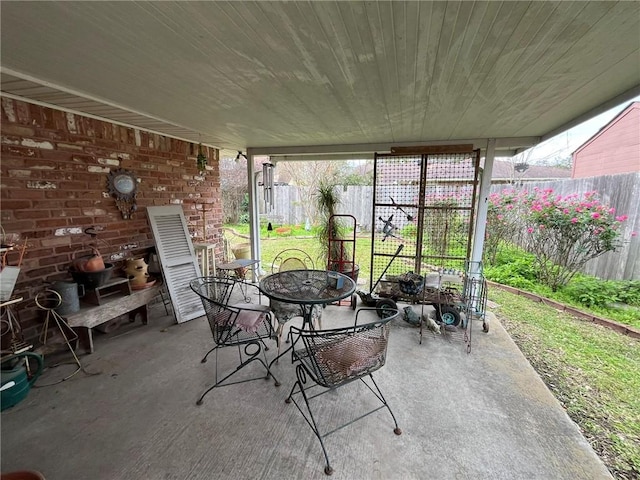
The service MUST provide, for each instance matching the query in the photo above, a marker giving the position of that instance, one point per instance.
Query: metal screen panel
(427, 203)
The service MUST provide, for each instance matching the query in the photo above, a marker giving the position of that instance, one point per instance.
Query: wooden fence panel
(293, 208)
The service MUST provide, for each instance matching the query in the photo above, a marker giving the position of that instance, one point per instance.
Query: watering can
(15, 383)
(70, 294)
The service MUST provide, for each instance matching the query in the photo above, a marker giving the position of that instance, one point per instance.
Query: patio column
(254, 213)
(483, 204)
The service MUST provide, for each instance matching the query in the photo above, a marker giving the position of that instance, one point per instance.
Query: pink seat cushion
(250, 316)
(352, 355)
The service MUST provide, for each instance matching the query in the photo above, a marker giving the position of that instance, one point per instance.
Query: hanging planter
(201, 160)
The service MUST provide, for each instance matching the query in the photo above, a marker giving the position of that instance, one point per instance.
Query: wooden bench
(90, 316)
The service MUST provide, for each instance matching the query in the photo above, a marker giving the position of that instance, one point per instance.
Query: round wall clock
(123, 185)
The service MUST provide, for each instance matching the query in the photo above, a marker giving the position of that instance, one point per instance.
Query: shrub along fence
(621, 192)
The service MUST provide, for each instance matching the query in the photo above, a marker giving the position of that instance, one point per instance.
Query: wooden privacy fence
(292, 208)
(619, 191)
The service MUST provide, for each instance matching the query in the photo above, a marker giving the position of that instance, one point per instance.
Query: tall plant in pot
(327, 203)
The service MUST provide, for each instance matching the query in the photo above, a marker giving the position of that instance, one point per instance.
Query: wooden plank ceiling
(277, 75)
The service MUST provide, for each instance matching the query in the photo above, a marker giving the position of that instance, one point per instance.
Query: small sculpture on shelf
(136, 271)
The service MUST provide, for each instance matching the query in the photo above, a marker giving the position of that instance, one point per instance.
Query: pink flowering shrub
(562, 232)
(502, 222)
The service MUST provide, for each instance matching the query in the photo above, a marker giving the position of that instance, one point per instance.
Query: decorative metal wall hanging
(123, 186)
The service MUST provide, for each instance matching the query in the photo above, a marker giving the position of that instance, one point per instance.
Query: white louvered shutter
(177, 258)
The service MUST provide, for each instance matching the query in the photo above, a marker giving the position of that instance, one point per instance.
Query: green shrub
(593, 292)
(629, 292)
(590, 291)
(512, 274)
(509, 253)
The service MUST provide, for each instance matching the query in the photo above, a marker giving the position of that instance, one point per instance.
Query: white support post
(483, 204)
(254, 213)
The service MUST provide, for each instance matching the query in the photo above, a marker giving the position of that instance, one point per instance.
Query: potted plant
(327, 203)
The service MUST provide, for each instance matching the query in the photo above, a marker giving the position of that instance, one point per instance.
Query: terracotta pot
(92, 263)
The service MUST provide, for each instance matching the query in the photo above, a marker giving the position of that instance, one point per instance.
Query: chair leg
(279, 336)
(310, 419)
(204, 359)
(378, 393)
(299, 388)
(250, 357)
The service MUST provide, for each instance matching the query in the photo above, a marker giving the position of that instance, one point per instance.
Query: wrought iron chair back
(336, 357)
(234, 321)
(292, 259)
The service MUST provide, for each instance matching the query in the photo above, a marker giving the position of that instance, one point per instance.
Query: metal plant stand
(48, 300)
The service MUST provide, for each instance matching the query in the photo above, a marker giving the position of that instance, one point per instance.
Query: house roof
(287, 78)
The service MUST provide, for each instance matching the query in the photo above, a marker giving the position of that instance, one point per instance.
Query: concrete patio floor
(483, 415)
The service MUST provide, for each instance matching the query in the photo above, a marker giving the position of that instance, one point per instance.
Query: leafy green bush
(513, 261)
(629, 292)
(516, 268)
(510, 274)
(593, 292)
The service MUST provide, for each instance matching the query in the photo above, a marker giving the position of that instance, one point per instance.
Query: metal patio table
(306, 288)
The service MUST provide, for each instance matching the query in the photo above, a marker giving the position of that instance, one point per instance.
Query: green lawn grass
(272, 244)
(592, 370)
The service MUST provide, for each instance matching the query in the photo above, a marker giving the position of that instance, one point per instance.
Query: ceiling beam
(353, 150)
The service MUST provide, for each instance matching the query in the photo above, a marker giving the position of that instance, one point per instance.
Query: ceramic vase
(136, 271)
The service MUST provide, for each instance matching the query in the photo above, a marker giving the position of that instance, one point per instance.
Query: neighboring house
(504, 172)
(614, 149)
(520, 173)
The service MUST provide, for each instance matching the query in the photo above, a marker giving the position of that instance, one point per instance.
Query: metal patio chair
(234, 322)
(334, 358)
(291, 259)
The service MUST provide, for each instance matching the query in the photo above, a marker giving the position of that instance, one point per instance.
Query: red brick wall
(614, 150)
(54, 170)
